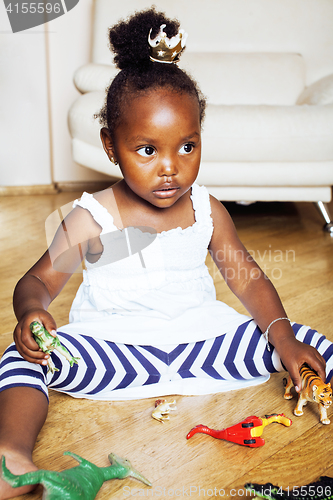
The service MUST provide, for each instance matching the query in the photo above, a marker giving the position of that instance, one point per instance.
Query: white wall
(36, 91)
(69, 48)
(24, 128)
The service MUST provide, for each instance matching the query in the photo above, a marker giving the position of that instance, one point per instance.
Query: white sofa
(266, 67)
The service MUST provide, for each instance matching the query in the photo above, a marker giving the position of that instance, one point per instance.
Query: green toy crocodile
(79, 483)
(319, 490)
(48, 343)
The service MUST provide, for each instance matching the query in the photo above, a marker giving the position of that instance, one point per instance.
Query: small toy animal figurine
(78, 483)
(247, 432)
(47, 344)
(162, 409)
(319, 490)
(313, 389)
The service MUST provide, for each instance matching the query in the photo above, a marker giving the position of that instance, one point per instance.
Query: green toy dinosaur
(48, 343)
(78, 483)
(318, 490)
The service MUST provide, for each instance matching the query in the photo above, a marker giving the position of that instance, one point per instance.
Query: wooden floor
(288, 242)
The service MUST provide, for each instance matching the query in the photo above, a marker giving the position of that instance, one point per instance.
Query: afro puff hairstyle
(129, 42)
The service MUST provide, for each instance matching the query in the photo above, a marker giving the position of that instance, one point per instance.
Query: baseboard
(89, 186)
(78, 186)
(28, 190)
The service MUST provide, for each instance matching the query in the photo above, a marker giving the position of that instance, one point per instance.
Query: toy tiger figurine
(313, 389)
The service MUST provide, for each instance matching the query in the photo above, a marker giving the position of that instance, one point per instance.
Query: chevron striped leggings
(106, 368)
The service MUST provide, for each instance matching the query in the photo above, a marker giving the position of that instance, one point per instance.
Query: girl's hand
(294, 354)
(24, 340)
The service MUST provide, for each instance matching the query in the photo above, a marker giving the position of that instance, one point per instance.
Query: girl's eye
(146, 151)
(186, 149)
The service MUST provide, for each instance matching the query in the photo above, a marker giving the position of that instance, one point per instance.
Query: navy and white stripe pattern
(106, 366)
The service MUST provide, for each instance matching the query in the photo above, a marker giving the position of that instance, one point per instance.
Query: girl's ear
(108, 144)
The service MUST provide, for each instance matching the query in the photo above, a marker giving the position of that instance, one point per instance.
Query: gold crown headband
(164, 49)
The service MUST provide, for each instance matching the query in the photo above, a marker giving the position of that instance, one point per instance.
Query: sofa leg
(323, 209)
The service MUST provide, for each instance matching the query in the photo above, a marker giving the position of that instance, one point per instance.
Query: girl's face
(158, 145)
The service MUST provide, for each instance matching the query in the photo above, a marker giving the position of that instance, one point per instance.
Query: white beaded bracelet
(265, 334)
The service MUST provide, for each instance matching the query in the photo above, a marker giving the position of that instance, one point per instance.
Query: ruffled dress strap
(98, 212)
(201, 205)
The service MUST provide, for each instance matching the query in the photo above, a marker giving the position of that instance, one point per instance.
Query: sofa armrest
(319, 93)
(92, 77)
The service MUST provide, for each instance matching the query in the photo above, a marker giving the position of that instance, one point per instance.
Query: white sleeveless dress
(162, 294)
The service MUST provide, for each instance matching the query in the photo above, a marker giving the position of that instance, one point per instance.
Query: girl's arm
(43, 282)
(256, 292)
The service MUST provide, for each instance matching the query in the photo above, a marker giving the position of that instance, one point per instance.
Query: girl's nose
(168, 166)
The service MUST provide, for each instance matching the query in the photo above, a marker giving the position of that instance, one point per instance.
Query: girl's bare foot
(17, 464)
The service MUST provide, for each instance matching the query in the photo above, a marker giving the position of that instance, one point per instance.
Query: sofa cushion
(247, 78)
(268, 133)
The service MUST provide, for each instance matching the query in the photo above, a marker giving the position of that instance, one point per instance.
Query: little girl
(145, 321)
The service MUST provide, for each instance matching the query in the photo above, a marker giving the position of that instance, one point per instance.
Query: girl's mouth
(166, 192)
